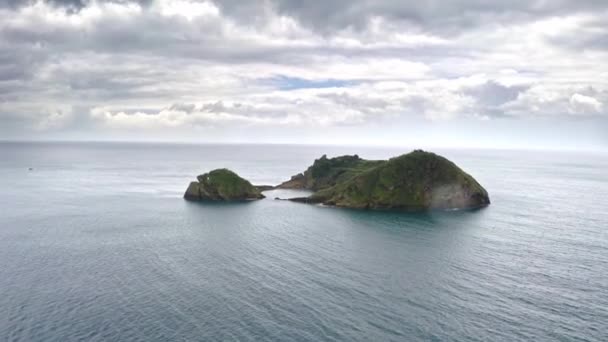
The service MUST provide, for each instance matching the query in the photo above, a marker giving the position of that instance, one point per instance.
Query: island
(415, 181)
(222, 185)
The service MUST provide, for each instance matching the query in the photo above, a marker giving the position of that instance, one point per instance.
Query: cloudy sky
(475, 73)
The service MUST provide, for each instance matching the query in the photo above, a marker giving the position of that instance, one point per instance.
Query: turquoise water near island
(96, 244)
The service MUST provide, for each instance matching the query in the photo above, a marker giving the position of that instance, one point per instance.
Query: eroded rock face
(221, 185)
(415, 181)
(193, 192)
(296, 182)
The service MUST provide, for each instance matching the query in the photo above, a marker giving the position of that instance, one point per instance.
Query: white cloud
(187, 9)
(581, 104)
(123, 64)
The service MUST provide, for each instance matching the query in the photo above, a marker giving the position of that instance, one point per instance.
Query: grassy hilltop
(415, 181)
(418, 180)
(221, 185)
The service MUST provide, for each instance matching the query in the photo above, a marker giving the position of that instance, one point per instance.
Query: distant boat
(30, 168)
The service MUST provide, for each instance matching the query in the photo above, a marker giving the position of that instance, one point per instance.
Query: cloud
(177, 116)
(439, 17)
(35, 118)
(581, 104)
(102, 65)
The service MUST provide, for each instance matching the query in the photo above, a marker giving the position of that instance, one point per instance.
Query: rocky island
(222, 185)
(415, 181)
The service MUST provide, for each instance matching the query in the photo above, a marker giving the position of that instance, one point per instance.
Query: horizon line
(235, 143)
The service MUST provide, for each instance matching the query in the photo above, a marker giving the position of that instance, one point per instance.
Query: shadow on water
(349, 237)
(392, 219)
(219, 204)
(404, 219)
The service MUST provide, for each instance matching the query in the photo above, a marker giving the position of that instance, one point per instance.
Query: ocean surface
(97, 244)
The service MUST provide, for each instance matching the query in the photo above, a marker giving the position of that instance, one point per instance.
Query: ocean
(97, 244)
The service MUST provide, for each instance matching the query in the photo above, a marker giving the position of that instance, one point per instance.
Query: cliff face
(415, 181)
(221, 185)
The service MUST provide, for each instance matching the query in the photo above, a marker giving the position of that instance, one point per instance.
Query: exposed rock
(221, 185)
(193, 192)
(296, 182)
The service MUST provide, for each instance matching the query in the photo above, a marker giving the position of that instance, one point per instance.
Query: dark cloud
(437, 16)
(492, 93)
(491, 96)
(146, 34)
(68, 5)
(592, 34)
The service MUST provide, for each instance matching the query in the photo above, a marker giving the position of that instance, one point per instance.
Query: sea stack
(221, 185)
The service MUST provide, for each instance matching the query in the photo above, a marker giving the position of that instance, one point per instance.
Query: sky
(460, 73)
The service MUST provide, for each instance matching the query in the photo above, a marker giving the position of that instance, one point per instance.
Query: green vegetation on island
(221, 185)
(415, 181)
(325, 172)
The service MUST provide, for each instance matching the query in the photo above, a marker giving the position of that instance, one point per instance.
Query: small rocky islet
(415, 181)
(222, 185)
